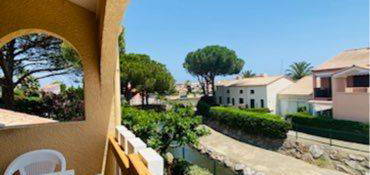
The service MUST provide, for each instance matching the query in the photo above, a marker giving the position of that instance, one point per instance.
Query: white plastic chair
(37, 162)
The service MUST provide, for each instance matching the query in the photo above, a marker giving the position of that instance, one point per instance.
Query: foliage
(140, 74)
(299, 70)
(37, 55)
(248, 74)
(257, 110)
(182, 167)
(66, 106)
(328, 127)
(122, 42)
(212, 61)
(204, 104)
(268, 125)
(177, 127)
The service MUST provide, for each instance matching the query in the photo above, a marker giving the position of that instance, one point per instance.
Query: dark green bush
(269, 125)
(204, 104)
(328, 127)
(257, 110)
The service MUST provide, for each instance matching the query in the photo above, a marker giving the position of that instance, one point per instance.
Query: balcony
(322, 93)
(129, 155)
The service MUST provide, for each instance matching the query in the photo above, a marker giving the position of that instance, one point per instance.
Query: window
(241, 101)
(361, 81)
(233, 101)
(228, 100)
(220, 100)
(228, 91)
(262, 103)
(252, 103)
(252, 91)
(240, 91)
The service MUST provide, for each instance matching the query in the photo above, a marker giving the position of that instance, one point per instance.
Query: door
(252, 103)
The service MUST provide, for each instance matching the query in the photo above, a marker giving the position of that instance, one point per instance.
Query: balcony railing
(322, 93)
(128, 155)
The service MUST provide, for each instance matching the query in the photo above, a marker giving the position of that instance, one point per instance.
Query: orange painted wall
(82, 143)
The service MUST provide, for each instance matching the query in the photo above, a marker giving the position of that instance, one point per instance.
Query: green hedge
(269, 125)
(258, 110)
(327, 127)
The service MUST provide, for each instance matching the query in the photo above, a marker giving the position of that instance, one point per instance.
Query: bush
(328, 127)
(182, 167)
(204, 104)
(269, 125)
(162, 130)
(257, 110)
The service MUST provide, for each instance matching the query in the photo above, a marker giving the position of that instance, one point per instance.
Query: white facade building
(256, 92)
(296, 96)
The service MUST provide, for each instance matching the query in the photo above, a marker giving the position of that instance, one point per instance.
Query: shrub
(160, 131)
(257, 110)
(328, 127)
(185, 168)
(204, 104)
(269, 125)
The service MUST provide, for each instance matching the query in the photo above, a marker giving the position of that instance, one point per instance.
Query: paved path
(339, 144)
(269, 162)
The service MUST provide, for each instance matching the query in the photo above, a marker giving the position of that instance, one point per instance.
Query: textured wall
(82, 143)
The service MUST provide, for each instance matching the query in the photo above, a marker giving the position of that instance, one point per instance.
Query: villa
(256, 92)
(342, 84)
(296, 96)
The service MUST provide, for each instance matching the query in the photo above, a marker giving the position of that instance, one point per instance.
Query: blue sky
(268, 34)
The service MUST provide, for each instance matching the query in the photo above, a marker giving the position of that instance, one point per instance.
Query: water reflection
(195, 157)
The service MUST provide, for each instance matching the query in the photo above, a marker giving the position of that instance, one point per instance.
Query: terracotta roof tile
(357, 57)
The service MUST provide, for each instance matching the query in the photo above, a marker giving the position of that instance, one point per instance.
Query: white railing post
(119, 129)
(152, 160)
(124, 139)
(134, 145)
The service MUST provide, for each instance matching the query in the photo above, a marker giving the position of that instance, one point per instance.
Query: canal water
(195, 157)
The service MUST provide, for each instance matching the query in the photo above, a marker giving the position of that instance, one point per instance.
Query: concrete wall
(95, 38)
(273, 90)
(290, 103)
(349, 105)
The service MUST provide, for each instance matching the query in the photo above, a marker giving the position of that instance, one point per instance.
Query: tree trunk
(147, 99)
(8, 97)
(213, 85)
(142, 95)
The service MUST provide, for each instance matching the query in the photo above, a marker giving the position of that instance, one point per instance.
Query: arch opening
(41, 79)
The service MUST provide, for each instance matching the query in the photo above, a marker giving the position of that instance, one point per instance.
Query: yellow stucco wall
(82, 143)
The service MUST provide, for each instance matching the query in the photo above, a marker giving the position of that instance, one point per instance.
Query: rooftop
(301, 87)
(11, 119)
(254, 81)
(357, 57)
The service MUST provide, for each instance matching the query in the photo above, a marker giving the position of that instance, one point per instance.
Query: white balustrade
(125, 135)
(152, 160)
(134, 145)
(120, 129)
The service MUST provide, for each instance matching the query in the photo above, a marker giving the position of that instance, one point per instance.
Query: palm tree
(248, 74)
(297, 70)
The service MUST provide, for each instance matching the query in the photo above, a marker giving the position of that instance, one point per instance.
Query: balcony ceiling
(87, 4)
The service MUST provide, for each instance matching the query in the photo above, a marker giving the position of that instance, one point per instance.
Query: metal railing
(322, 93)
(332, 137)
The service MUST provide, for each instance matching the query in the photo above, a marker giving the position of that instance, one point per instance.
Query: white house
(296, 96)
(256, 92)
